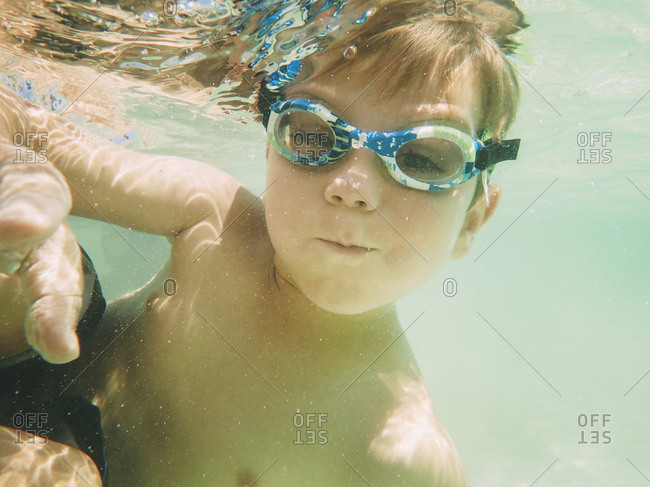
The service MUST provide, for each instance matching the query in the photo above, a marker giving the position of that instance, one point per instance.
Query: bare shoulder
(235, 233)
(412, 440)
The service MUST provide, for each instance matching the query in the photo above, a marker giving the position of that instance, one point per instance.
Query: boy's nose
(356, 181)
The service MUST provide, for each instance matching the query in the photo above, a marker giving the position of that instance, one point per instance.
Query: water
(549, 322)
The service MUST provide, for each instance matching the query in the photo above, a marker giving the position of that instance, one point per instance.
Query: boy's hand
(39, 250)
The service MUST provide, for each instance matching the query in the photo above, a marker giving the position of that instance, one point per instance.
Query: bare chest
(205, 403)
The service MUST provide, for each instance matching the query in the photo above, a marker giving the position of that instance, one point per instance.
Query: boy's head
(347, 234)
(427, 46)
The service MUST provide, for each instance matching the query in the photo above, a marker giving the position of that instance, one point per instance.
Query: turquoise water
(550, 319)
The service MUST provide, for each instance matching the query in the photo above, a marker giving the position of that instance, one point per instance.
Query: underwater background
(534, 346)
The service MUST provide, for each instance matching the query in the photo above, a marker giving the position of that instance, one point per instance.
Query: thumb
(34, 200)
(53, 282)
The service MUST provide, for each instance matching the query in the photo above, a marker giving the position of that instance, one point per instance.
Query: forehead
(373, 101)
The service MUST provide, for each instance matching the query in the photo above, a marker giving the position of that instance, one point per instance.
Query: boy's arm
(155, 194)
(38, 254)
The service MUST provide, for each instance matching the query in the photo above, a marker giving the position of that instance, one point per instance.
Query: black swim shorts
(30, 389)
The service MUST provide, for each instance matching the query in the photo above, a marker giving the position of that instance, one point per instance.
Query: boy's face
(348, 235)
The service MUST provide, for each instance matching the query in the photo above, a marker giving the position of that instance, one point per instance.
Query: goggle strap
(266, 98)
(493, 152)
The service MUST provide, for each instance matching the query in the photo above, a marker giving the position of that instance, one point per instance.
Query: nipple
(245, 478)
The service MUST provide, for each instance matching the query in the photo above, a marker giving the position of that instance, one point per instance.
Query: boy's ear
(479, 213)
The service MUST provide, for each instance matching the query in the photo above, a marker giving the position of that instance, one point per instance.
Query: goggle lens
(304, 134)
(430, 159)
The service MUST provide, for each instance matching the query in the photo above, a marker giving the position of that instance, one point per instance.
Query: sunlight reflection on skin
(43, 462)
(413, 436)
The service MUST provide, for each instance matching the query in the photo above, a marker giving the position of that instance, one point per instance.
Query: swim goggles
(428, 157)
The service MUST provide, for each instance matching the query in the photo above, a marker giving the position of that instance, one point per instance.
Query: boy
(277, 360)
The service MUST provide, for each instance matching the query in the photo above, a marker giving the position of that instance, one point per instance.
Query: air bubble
(350, 52)
(365, 16)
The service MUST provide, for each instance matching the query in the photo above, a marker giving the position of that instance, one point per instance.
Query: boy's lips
(347, 247)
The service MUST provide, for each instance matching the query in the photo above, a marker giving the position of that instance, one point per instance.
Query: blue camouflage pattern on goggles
(428, 157)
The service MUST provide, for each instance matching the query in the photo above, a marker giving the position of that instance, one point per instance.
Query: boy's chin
(349, 305)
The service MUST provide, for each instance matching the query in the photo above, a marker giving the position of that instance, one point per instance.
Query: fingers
(34, 200)
(53, 283)
(37, 246)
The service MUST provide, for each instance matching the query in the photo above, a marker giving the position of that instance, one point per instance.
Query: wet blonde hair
(423, 45)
